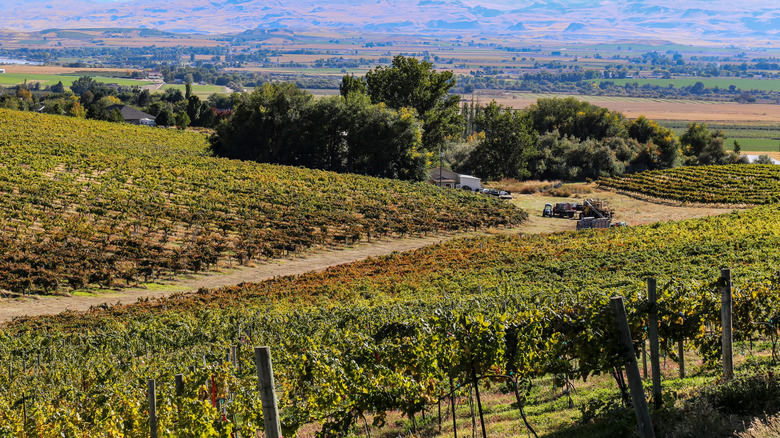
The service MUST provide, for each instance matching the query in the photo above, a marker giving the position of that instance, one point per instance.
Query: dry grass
(524, 187)
(660, 110)
(768, 427)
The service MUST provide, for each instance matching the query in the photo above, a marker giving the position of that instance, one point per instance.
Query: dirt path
(313, 261)
(633, 211)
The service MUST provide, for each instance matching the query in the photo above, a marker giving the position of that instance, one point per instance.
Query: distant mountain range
(750, 22)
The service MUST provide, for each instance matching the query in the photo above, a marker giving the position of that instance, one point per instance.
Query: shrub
(754, 392)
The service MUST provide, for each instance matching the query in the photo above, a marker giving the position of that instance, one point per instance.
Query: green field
(741, 83)
(67, 80)
(752, 137)
(198, 89)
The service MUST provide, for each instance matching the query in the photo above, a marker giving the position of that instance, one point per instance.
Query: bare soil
(631, 210)
(660, 109)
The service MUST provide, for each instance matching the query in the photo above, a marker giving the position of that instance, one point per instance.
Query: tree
(409, 83)
(182, 120)
(193, 108)
(351, 84)
(144, 98)
(701, 146)
(78, 111)
(573, 118)
(665, 144)
(384, 142)
(173, 95)
(263, 125)
(508, 145)
(58, 88)
(280, 123)
(165, 117)
(737, 147)
(82, 85)
(187, 90)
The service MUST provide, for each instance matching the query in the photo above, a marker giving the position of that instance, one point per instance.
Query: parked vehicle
(564, 209)
(548, 210)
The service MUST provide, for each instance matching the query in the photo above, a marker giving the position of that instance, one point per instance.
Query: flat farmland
(657, 109)
(67, 80)
(58, 70)
(741, 83)
(198, 89)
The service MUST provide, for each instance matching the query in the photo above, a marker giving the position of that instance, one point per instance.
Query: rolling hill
(754, 22)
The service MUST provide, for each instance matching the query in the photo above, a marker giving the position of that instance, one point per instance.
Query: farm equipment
(593, 222)
(596, 214)
(562, 209)
(596, 208)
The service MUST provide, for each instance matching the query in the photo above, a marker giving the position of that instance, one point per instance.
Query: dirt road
(313, 261)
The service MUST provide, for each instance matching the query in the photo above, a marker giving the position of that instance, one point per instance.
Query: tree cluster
(280, 123)
(572, 140)
(386, 124)
(88, 98)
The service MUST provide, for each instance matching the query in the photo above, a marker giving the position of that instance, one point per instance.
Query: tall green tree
(350, 84)
(573, 118)
(508, 145)
(280, 123)
(410, 83)
(661, 145)
(82, 85)
(702, 147)
(264, 125)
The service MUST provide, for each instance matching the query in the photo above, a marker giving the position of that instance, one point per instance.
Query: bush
(755, 392)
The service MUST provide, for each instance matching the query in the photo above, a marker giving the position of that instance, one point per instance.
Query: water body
(12, 61)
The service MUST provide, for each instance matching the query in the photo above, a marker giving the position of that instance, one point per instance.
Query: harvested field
(661, 109)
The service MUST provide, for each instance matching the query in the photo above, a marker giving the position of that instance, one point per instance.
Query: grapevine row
(729, 184)
(388, 333)
(86, 203)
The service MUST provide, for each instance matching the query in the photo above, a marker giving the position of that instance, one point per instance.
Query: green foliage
(575, 141)
(182, 120)
(351, 84)
(570, 159)
(754, 393)
(280, 123)
(82, 85)
(577, 119)
(508, 144)
(409, 83)
(58, 88)
(703, 147)
(165, 117)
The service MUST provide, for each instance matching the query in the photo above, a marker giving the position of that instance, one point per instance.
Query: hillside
(753, 22)
(388, 333)
(86, 203)
(731, 184)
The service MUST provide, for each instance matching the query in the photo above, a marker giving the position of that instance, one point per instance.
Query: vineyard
(404, 332)
(731, 184)
(92, 204)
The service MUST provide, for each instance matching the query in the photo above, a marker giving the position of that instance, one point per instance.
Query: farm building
(447, 178)
(132, 115)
